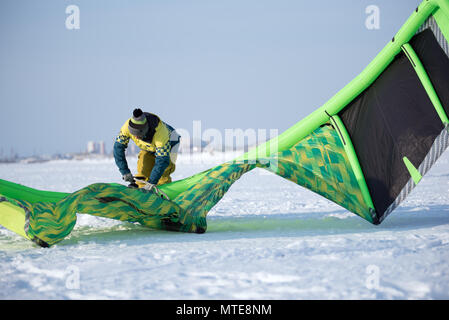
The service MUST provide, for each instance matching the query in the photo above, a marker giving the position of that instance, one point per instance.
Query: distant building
(94, 147)
(91, 147)
(102, 148)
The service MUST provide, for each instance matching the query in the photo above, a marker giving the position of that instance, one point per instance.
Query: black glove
(152, 187)
(128, 178)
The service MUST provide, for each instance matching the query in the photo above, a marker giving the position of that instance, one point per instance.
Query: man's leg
(165, 178)
(145, 164)
(171, 167)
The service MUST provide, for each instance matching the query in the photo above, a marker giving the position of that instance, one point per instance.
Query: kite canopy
(365, 149)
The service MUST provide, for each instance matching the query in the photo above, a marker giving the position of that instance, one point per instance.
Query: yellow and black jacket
(156, 141)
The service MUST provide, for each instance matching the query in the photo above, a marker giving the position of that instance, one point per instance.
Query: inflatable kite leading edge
(365, 149)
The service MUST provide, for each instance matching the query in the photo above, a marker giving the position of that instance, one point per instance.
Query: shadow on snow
(267, 226)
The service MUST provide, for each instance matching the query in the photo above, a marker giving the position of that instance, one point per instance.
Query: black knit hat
(138, 124)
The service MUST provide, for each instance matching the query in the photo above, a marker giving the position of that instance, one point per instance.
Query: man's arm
(120, 145)
(120, 158)
(162, 161)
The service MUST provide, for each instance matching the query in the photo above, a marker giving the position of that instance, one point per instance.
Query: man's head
(138, 124)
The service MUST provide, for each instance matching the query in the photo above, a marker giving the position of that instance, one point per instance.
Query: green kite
(365, 149)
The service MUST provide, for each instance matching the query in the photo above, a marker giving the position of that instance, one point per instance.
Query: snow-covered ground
(267, 239)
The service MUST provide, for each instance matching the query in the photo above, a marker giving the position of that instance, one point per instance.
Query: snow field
(267, 239)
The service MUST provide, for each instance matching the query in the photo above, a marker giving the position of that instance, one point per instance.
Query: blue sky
(261, 64)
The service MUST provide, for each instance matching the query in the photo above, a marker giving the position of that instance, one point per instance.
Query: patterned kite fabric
(47, 223)
(318, 163)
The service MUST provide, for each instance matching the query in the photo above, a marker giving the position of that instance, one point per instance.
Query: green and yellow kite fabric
(318, 163)
(365, 149)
